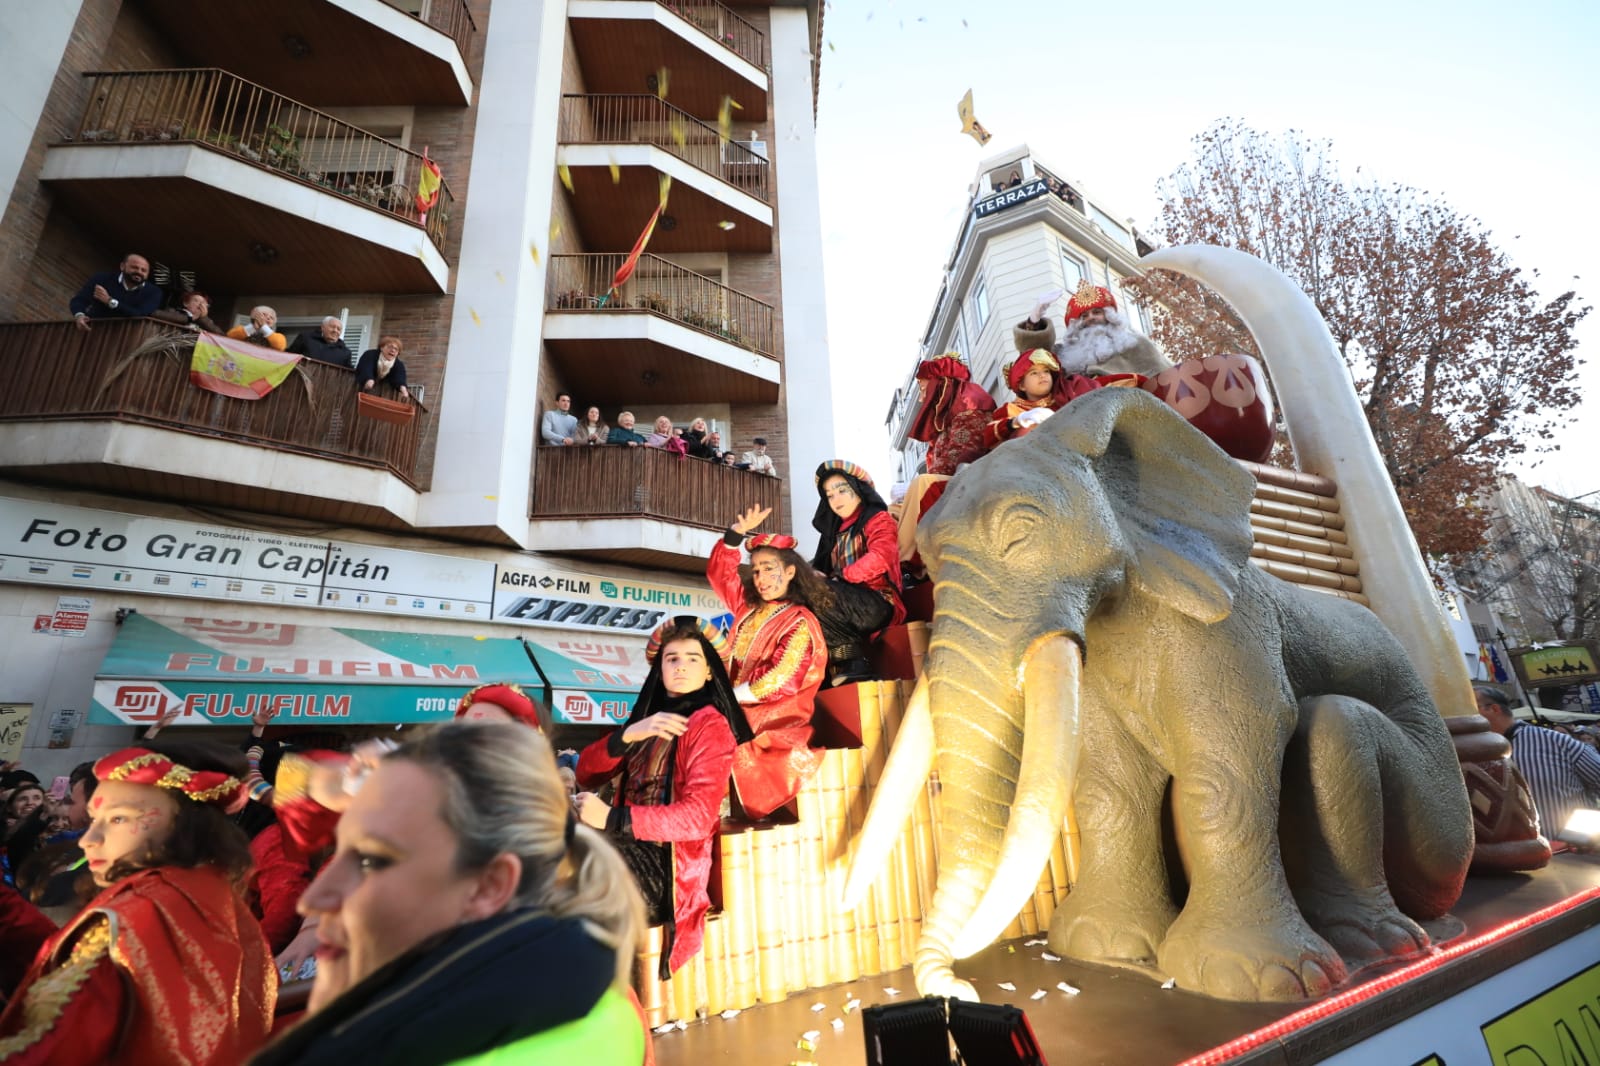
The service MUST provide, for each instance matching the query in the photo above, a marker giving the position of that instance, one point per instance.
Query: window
(1071, 270)
(1111, 226)
(978, 306)
(959, 340)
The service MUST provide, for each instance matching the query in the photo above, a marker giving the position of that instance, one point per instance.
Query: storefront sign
(63, 724)
(70, 619)
(592, 682)
(51, 544)
(1010, 197)
(1569, 663)
(13, 728)
(537, 594)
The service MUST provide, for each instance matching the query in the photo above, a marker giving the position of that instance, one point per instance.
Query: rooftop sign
(1010, 197)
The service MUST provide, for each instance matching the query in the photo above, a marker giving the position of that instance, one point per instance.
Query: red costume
(879, 567)
(279, 881)
(164, 966)
(1064, 387)
(952, 415)
(687, 822)
(778, 651)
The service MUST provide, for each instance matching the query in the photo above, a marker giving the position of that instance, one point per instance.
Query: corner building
(302, 547)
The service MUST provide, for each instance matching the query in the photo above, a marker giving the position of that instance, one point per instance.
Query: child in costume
(859, 553)
(1042, 390)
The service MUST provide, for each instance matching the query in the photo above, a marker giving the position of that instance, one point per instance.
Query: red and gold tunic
(164, 966)
(778, 650)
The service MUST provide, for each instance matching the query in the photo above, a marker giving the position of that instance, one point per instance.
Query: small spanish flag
(428, 181)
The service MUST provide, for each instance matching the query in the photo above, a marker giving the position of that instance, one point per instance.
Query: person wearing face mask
(859, 552)
(466, 916)
(166, 963)
(262, 330)
(778, 662)
(671, 761)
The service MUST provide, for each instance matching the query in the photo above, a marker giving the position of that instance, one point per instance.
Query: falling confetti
(969, 123)
(1008, 986)
(851, 1004)
(616, 171)
(1070, 990)
(725, 224)
(533, 250)
(662, 77)
(731, 1012)
(501, 278)
(680, 132)
(422, 253)
(1039, 994)
(817, 1008)
(725, 120)
(830, 46)
(1035, 942)
(476, 321)
(838, 1025)
(555, 229)
(1171, 982)
(1047, 957)
(565, 174)
(963, 23)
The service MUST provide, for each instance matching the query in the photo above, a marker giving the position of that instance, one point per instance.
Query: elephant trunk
(1008, 756)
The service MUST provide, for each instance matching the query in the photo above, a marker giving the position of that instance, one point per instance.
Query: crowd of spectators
(129, 292)
(560, 428)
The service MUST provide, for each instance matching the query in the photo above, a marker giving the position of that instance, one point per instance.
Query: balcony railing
(644, 118)
(723, 25)
(618, 482)
(214, 108)
(52, 371)
(583, 283)
(449, 17)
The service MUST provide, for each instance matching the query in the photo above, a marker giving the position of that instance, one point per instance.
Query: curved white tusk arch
(1331, 437)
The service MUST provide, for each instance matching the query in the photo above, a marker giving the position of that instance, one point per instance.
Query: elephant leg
(1119, 907)
(1240, 935)
(1333, 830)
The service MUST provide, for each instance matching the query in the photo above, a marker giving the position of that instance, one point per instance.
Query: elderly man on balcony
(326, 345)
(124, 293)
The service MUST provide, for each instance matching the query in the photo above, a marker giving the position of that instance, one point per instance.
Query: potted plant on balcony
(573, 299)
(653, 301)
(281, 148)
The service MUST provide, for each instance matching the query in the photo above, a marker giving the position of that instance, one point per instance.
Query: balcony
(667, 336)
(711, 51)
(721, 193)
(639, 506)
(261, 193)
(336, 52)
(113, 410)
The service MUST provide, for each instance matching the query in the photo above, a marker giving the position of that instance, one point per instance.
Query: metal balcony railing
(449, 17)
(723, 25)
(617, 482)
(227, 113)
(582, 283)
(644, 118)
(52, 371)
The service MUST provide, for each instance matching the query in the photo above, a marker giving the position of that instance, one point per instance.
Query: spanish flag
(239, 369)
(428, 181)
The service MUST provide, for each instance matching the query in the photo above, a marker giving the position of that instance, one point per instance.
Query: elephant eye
(1019, 528)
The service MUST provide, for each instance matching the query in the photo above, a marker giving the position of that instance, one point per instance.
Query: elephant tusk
(910, 763)
(1052, 672)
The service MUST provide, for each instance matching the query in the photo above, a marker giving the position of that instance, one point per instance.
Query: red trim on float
(1333, 1004)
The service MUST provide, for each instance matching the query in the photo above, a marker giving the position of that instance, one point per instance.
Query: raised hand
(750, 519)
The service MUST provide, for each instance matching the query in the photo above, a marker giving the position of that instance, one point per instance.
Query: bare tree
(1458, 363)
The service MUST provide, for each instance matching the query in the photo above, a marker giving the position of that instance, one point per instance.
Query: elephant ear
(1182, 504)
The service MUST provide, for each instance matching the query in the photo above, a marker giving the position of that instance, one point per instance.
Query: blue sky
(1493, 108)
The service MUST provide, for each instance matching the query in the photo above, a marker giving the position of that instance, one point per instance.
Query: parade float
(1136, 780)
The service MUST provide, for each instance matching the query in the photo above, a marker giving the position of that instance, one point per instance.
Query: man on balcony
(559, 425)
(125, 293)
(326, 345)
(758, 459)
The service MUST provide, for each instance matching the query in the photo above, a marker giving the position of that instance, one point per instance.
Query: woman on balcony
(779, 658)
(194, 315)
(381, 370)
(592, 430)
(666, 439)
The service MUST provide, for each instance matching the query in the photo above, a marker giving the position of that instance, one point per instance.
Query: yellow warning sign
(1556, 1027)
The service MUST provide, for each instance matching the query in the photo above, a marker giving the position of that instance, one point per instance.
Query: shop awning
(221, 671)
(593, 681)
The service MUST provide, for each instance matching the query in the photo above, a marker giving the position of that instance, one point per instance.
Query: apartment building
(273, 154)
(1026, 231)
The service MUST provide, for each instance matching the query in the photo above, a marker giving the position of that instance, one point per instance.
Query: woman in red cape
(779, 658)
(167, 964)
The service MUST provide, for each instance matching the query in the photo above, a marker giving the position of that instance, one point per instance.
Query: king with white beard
(1096, 339)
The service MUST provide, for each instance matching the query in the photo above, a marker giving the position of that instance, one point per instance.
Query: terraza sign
(1010, 197)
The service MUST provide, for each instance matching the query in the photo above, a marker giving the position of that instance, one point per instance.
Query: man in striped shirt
(1562, 773)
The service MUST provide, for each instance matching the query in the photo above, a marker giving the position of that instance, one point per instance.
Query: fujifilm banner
(537, 595)
(77, 547)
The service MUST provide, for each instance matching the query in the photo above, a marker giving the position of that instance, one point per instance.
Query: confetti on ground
(851, 1004)
(682, 1025)
(731, 1012)
(891, 991)
(724, 224)
(1008, 986)
(565, 175)
(838, 1025)
(1047, 957)
(669, 1027)
(1039, 994)
(811, 1034)
(1034, 942)
(806, 1045)
(1171, 982)
(1011, 949)
(476, 321)
(818, 1007)
(1070, 990)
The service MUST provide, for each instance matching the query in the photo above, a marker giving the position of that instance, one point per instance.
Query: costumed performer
(671, 761)
(1041, 389)
(1096, 339)
(166, 964)
(859, 553)
(466, 917)
(779, 659)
